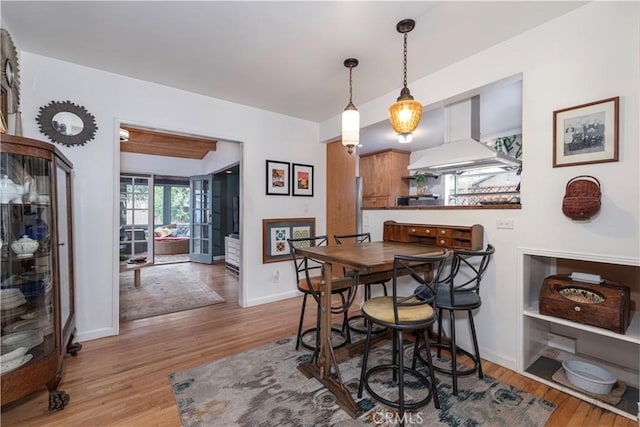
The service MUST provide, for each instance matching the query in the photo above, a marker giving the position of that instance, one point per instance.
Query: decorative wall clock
(9, 71)
(67, 123)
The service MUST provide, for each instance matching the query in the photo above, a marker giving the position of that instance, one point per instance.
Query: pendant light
(350, 115)
(405, 114)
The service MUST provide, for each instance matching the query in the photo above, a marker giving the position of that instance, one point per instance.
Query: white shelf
(625, 375)
(617, 352)
(632, 334)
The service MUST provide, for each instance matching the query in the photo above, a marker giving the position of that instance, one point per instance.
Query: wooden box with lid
(605, 305)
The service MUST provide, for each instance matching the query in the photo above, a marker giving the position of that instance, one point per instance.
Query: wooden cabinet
(445, 236)
(36, 256)
(382, 174)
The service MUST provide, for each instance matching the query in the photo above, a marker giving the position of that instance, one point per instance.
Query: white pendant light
(350, 115)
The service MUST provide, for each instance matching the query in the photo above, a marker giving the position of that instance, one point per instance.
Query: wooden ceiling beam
(144, 141)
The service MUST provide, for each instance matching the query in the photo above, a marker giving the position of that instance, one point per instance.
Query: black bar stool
(309, 276)
(459, 291)
(400, 313)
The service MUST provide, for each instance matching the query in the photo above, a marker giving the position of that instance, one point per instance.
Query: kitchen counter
(450, 207)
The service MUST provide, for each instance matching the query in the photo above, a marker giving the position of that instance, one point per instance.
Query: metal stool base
(394, 369)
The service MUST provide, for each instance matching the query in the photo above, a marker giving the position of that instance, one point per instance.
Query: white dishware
(28, 339)
(18, 352)
(589, 377)
(25, 247)
(10, 191)
(14, 363)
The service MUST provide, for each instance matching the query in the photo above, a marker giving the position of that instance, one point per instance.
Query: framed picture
(586, 133)
(302, 180)
(277, 178)
(275, 233)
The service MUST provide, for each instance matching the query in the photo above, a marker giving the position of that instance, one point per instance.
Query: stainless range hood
(462, 149)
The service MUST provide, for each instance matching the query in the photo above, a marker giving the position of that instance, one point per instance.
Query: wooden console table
(136, 270)
(443, 236)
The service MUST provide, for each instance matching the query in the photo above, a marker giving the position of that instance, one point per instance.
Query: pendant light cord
(350, 85)
(405, 60)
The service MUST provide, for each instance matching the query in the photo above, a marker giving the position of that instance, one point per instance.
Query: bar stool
(459, 291)
(400, 313)
(309, 285)
(355, 319)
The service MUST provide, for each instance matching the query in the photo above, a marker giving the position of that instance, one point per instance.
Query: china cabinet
(36, 258)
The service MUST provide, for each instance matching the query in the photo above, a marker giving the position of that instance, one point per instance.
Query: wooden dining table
(374, 262)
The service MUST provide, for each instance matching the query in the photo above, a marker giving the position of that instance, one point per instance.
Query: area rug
(163, 289)
(263, 387)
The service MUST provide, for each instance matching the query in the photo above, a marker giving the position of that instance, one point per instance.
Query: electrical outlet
(506, 223)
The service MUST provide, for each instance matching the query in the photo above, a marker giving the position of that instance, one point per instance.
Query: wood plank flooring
(123, 380)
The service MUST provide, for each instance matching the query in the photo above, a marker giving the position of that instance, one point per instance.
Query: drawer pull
(427, 231)
(577, 308)
(443, 232)
(413, 230)
(442, 242)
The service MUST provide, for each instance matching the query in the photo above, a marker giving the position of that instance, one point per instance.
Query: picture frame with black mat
(277, 178)
(302, 180)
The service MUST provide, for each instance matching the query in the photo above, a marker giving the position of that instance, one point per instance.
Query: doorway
(171, 203)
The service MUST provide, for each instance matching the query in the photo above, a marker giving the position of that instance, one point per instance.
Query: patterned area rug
(262, 387)
(163, 289)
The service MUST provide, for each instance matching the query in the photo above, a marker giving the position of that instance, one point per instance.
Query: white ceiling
(285, 57)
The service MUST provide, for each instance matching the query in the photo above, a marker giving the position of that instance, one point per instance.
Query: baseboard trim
(273, 298)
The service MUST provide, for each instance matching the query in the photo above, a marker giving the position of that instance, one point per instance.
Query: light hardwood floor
(123, 380)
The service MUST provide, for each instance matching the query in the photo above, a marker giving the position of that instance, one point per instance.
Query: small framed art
(277, 178)
(275, 233)
(586, 133)
(302, 180)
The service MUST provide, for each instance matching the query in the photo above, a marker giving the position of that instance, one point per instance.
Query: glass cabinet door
(27, 296)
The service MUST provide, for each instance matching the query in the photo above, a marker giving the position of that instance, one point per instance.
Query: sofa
(171, 239)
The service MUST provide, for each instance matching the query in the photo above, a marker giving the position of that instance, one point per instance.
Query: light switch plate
(505, 223)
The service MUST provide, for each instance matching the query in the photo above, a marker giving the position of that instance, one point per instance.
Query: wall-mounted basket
(582, 197)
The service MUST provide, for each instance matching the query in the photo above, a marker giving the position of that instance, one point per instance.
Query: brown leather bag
(582, 197)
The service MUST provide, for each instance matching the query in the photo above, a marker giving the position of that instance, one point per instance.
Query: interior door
(217, 236)
(201, 243)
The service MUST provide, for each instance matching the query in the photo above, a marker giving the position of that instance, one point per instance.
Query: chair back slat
(352, 238)
(467, 270)
(426, 291)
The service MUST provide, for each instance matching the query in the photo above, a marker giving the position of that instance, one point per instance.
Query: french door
(201, 243)
(136, 217)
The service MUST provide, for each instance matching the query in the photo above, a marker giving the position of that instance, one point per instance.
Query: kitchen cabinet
(382, 174)
(546, 341)
(36, 257)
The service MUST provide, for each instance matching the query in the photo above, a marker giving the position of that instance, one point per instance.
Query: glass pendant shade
(350, 115)
(405, 115)
(350, 128)
(405, 138)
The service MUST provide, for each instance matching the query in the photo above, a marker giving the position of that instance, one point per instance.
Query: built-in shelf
(541, 353)
(632, 333)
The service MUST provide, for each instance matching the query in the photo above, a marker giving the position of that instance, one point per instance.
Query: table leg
(326, 359)
(136, 278)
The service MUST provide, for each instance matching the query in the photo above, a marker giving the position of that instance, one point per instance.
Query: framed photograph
(275, 233)
(586, 133)
(277, 178)
(302, 180)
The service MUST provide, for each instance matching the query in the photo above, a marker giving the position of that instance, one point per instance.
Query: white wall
(561, 67)
(113, 99)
